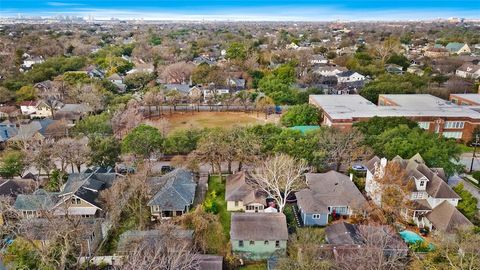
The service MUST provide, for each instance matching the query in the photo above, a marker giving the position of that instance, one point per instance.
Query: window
(252, 243)
(422, 183)
(265, 243)
(316, 216)
(156, 208)
(250, 207)
(454, 124)
(76, 201)
(236, 203)
(240, 243)
(424, 125)
(455, 135)
(277, 244)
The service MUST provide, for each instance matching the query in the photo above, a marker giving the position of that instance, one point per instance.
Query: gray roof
(238, 189)
(210, 262)
(329, 189)
(173, 191)
(348, 107)
(342, 234)
(258, 226)
(446, 217)
(39, 200)
(7, 131)
(13, 187)
(182, 88)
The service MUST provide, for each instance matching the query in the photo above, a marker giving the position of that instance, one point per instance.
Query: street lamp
(474, 150)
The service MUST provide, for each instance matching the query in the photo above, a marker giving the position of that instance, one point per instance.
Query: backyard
(216, 197)
(209, 120)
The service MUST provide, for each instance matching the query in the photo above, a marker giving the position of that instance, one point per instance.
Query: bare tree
(126, 119)
(381, 249)
(340, 147)
(279, 176)
(385, 49)
(164, 254)
(177, 73)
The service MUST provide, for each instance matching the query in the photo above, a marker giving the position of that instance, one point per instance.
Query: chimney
(383, 162)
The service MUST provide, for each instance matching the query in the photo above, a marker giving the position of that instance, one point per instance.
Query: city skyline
(248, 10)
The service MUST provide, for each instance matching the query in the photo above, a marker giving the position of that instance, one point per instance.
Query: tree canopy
(301, 115)
(142, 141)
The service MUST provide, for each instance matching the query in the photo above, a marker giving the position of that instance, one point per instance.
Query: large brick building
(431, 113)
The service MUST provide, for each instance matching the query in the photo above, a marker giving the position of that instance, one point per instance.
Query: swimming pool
(410, 237)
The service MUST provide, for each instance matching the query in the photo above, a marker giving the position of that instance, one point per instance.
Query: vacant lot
(209, 120)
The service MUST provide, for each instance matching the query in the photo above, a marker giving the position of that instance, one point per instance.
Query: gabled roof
(446, 217)
(13, 187)
(237, 189)
(342, 234)
(258, 226)
(173, 191)
(454, 46)
(329, 189)
(39, 200)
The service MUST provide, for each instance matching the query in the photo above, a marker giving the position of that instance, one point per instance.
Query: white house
(329, 70)
(30, 61)
(468, 70)
(429, 194)
(349, 76)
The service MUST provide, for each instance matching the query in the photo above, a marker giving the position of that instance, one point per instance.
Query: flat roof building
(431, 113)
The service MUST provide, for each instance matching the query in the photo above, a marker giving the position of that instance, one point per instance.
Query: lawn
(466, 148)
(255, 266)
(209, 120)
(217, 186)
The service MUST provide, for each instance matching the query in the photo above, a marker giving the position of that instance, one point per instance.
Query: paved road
(455, 180)
(466, 159)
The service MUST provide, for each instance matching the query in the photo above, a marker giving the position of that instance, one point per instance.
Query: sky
(246, 10)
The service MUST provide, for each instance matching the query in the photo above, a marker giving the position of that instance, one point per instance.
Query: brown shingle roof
(446, 217)
(258, 226)
(237, 189)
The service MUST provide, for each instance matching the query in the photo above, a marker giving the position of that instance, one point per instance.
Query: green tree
(26, 93)
(377, 125)
(236, 51)
(438, 152)
(94, 125)
(12, 163)
(301, 115)
(142, 141)
(394, 84)
(468, 204)
(105, 151)
(182, 141)
(22, 255)
(6, 95)
(399, 59)
(138, 80)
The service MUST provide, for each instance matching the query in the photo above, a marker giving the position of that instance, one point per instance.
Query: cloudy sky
(261, 10)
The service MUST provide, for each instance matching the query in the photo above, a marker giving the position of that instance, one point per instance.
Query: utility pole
(474, 151)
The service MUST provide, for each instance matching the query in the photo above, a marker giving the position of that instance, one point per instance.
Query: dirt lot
(209, 120)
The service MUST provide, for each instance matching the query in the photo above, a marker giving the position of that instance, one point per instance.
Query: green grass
(216, 184)
(255, 266)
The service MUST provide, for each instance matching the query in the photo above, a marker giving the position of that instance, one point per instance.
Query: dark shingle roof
(173, 191)
(258, 226)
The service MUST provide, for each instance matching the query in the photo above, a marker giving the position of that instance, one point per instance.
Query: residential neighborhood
(279, 144)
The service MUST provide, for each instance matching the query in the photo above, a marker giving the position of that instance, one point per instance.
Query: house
(394, 69)
(38, 109)
(78, 197)
(203, 60)
(30, 61)
(432, 113)
(34, 132)
(349, 76)
(28, 107)
(415, 69)
(344, 236)
(115, 78)
(458, 48)
(129, 239)
(236, 84)
(89, 231)
(328, 71)
(436, 53)
(172, 194)
(183, 89)
(328, 194)
(142, 68)
(94, 72)
(430, 191)
(13, 187)
(241, 196)
(318, 59)
(468, 70)
(258, 236)
(7, 131)
(210, 262)
(72, 113)
(9, 112)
